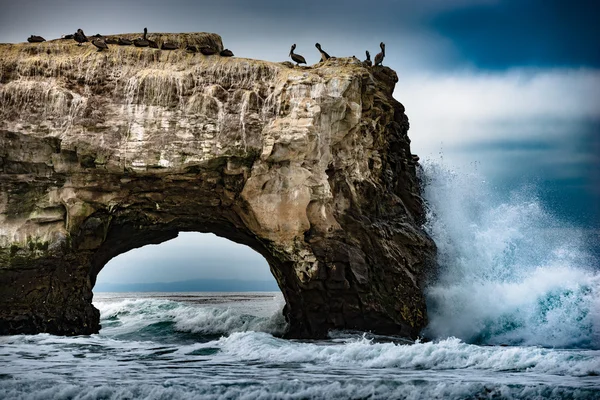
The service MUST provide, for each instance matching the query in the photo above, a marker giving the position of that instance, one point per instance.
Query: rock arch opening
(126, 230)
(192, 262)
(197, 283)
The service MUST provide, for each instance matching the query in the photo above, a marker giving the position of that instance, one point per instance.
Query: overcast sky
(510, 87)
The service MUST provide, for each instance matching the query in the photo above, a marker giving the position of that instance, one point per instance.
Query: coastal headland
(103, 152)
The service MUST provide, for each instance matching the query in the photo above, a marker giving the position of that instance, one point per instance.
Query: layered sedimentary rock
(103, 152)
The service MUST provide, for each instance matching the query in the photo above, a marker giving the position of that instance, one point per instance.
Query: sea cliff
(103, 152)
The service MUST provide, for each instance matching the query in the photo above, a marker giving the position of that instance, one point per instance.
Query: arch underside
(332, 298)
(337, 288)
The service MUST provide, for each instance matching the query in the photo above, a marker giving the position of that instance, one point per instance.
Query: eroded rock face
(101, 153)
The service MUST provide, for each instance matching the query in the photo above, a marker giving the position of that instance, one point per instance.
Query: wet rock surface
(101, 153)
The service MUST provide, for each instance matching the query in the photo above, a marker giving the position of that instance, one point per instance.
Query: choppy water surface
(514, 313)
(186, 346)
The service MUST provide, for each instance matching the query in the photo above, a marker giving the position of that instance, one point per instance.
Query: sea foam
(447, 354)
(510, 272)
(132, 315)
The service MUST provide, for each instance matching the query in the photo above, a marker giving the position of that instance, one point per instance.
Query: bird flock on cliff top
(102, 43)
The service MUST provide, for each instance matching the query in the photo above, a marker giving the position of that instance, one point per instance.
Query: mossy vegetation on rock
(104, 152)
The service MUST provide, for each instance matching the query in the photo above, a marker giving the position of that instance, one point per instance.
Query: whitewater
(514, 313)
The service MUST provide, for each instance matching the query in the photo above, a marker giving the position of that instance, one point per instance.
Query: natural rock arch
(311, 167)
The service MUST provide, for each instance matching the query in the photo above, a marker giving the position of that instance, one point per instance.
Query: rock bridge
(311, 167)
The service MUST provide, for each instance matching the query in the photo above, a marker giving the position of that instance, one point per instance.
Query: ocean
(514, 314)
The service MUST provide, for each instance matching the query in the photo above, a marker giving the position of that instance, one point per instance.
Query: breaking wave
(157, 317)
(510, 271)
(159, 349)
(447, 354)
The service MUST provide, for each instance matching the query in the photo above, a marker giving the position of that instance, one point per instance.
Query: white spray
(510, 272)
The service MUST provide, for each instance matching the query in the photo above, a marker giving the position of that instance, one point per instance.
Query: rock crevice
(101, 153)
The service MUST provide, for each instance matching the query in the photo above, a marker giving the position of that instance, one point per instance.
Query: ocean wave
(134, 315)
(510, 271)
(445, 354)
(249, 348)
(292, 389)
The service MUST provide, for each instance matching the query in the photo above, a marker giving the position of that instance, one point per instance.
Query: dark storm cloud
(556, 167)
(525, 33)
(280, 18)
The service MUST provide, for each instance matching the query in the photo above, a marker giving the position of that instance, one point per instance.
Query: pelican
(111, 40)
(124, 42)
(168, 46)
(35, 39)
(379, 57)
(226, 53)
(142, 42)
(100, 44)
(297, 58)
(207, 50)
(80, 37)
(324, 55)
(368, 62)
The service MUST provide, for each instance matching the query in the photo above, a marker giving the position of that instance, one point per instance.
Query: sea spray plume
(510, 272)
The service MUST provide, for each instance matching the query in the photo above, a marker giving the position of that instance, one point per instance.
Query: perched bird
(297, 58)
(97, 35)
(168, 46)
(35, 39)
(379, 57)
(142, 42)
(191, 49)
(324, 55)
(368, 62)
(124, 42)
(207, 50)
(111, 40)
(226, 53)
(100, 44)
(70, 36)
(80, 37)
